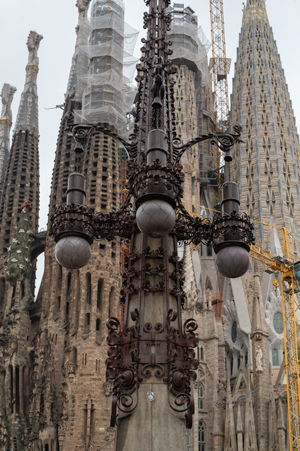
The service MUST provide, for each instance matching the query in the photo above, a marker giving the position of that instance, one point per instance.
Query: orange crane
(290, 287)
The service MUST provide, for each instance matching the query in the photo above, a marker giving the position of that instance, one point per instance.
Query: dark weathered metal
(153, 272)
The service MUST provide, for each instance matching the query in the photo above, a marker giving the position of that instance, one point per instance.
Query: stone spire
(266, 165)
(21, 178)
(79, 59)
(7, 95)
(27, 117)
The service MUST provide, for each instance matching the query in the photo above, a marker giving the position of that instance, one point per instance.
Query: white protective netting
(191, 44)
(105, 67)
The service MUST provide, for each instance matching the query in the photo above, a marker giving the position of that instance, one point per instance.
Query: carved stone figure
(258, 359)
(108, 388)
(7, 95)
(33, 43)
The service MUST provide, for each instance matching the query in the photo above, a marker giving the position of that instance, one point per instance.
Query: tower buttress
(230, 433)
(261, 373)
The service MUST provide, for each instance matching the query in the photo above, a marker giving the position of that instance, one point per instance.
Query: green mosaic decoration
(19, 262)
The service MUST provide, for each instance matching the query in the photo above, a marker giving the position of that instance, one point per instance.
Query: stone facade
(53, 389)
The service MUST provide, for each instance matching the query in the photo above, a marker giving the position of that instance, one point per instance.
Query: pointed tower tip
(255, 9)
(82, 5)
(255, 3)
(27, 117)
(7, 92)
(33, 41)
(7, 95)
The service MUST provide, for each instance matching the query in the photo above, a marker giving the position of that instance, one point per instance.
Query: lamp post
(154, 349)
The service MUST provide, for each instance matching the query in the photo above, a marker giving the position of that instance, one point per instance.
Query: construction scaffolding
(188, 39)
(106, 65)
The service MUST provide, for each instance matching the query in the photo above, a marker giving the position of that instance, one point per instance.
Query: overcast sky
(56, 21)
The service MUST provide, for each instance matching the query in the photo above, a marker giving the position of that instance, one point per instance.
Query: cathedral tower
(266, 165)
(21, 179)
(18, 221)
(74, 305)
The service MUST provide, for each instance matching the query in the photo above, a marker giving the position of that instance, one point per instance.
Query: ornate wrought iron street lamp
(153, 342)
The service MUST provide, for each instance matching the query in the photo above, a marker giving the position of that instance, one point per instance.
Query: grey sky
(56, 21)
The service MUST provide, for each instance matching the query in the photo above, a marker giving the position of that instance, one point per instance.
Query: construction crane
(219, 64)
(290, 287)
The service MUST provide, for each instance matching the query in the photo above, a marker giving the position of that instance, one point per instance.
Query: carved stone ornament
(221, 386)
(108, 388)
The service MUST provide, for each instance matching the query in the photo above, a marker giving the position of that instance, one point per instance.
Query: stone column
(261, 375)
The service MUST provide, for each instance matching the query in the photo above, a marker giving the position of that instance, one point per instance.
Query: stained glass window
(275, 360)
(200, 397)
(278, 322)
(201, 436)
(234, 332)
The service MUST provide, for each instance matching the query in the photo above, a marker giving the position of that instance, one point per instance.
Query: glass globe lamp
(233, 261)
(72, 252)
(156, 218)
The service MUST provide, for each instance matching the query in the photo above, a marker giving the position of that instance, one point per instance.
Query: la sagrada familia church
(54, 393)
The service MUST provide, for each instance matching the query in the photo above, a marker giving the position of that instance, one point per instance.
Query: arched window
(2, 289)
(188, 439)
(275, 360)
(97, 324)
(69, 283)
(200, 396)
(201, 375)
(25, 390)
(88, 288)
(17, 389)
(74, 355)
(99, 294)
(209, 250)
(234, 332)
(193, 186)
(110, 300)
(201, 436)
(202, 353)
